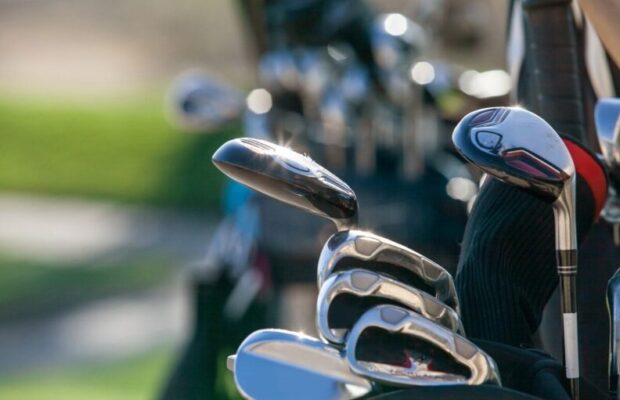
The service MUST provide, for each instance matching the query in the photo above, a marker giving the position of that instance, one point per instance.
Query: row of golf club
(429, 326)
(495, 140)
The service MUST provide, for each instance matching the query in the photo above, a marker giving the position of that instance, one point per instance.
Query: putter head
(198, 102)
(518, 147)
(290, 177)
(372, 252)
(346, 295)
(282, 365)
(398, 347)
(613, 308)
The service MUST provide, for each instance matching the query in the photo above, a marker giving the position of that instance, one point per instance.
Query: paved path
(68, 231)
(77, 231)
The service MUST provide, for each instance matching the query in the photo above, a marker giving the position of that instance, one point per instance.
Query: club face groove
(336, 314)
(464, 362)
(278, 364)
(349, 249)
(518, 147)
(290, 177)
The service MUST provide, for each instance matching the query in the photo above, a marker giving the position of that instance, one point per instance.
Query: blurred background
(105, 203)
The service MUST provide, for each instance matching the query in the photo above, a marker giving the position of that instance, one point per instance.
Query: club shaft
(571, 338)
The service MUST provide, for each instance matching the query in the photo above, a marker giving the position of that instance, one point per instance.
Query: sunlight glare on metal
(259, 101)
(422, 73)
(461, 189)
(395, 24)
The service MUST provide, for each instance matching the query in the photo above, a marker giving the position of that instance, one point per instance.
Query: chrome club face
(395, 346)
(516, 146)
(378, 254)
(285, 175)
(520, 148)
(282, 365)
(613, 308)
(345, 296)
(607, 119)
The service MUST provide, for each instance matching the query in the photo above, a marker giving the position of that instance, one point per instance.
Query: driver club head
(345, 296)
(613, 308)
(281, 365)
(361, 249)
(397, 347)
(517, 147)
(288, 176)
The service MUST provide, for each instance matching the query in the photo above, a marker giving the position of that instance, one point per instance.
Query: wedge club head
(355, 248)
(520, 148)
(282, 365)
(395, 346)
(288, 176)
(345, 296)
(613, 308)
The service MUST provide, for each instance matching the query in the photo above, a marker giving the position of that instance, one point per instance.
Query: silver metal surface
(365, 284)
(607, 119)
(371, 248)
(419, 372)
(613, 307)
(275, 364)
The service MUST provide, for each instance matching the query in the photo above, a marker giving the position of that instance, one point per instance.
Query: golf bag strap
(553, 60)
(592, 170)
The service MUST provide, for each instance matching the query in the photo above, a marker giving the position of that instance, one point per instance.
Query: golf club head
(354, 248)
(613, 308)
(200, 102)
(345, 296)
(395, 346)
(518, 147)
(281, 365)
(290, 177)
(607, 119)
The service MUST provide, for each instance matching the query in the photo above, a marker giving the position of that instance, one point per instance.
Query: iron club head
(281, 365)
(355, 248)
(345, 296)
(398, 347)
(288, 176)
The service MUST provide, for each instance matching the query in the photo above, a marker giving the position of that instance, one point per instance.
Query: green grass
(30, 288)
(122, 150)
(137, 378)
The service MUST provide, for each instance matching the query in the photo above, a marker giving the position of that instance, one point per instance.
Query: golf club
(613, 307)
(282, 365)
(395, 346)
(373, 252)
(607, 119)
(520, 148)
(345, 296)
(285, 175)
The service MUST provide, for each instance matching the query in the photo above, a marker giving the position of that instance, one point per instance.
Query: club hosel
(564, 214)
